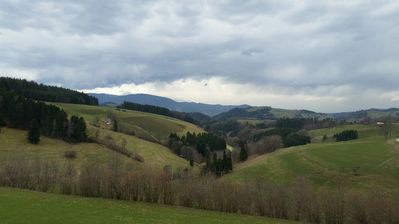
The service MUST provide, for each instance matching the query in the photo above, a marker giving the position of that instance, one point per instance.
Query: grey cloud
(293, 46)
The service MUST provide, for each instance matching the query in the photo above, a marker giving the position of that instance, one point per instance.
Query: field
(53, 149)
(146, 125)
(367, 163)
(22, 206)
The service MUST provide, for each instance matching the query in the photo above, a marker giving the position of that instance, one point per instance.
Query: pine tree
(191, 162)
(225, 163)
(34, 132)
(229, 162)
(243, 152)
(115, 125)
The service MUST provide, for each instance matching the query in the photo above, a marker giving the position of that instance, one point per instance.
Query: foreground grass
(367, 163)
(151, 126)
(21, 206)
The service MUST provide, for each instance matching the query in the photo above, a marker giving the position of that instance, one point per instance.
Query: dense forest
(194, 118)
(35, 91)
(346, 135)
(22, 113)
(203, 146)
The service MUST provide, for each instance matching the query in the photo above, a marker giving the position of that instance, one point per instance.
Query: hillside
(14, 143)
(265, 113)
(370, 113)
(367, 163)
(36, 91)
(149, 126)
(208, 109)
(41, 208)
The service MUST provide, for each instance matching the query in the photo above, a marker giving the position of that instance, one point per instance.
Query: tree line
(346, 135)
(33, 90)
(297, 201)
(203, 147)
(204, 142)
(194, 118)
(40, 118)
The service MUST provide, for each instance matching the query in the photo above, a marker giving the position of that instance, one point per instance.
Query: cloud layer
(323, 55)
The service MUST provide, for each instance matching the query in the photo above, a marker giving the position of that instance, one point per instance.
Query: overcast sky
(321, 55)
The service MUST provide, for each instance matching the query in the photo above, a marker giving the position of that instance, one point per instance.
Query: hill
(363, 114)
(189, 107)
(14, 143)
(41, 208)
(265, 113)
(144, 125)
(367, 163)
(33, 90)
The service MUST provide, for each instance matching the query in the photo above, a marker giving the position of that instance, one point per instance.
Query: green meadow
(369, 162)
(28, 207)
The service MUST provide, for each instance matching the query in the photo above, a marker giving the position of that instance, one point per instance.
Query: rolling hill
(148, 126)
(154, 155)
(208, 109)
(367, 163)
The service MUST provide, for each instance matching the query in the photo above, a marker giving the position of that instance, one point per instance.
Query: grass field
(13, 140)
(367, 163)
(150, 126)
(154, 154)
(21, 206)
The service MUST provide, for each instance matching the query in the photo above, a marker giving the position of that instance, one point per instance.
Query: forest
(35, 91)
(19, 112)
(194, 118)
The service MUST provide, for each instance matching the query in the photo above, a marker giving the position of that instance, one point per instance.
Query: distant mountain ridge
(189, 107)
(241, 111)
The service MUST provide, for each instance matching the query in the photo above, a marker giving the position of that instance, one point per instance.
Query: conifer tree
(34, 132)
(243, 152)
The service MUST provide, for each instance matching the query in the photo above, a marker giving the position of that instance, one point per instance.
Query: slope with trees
(22, 113)
(33, 90)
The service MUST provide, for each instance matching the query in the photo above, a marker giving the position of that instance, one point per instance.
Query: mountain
(189, 107)
(265, 113)
(372, 113)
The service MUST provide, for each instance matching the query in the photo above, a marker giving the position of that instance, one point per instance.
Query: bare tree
(387, 127)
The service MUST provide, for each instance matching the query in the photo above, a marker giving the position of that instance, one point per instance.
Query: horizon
(324, 56)
(245, 104)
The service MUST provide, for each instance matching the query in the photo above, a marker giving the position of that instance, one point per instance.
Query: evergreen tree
(34, 132)
(191, 162)
(2, 122)
(243, 152)
(229, 162)
(225, 163)
(115, 125)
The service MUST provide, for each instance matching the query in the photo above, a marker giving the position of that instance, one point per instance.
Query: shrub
(71, 154)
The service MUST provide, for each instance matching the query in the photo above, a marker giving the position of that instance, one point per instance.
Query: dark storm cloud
(307, 46)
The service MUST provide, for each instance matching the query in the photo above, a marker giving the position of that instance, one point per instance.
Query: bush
(70, 154)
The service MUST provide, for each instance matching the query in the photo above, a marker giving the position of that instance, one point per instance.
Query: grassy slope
(331, 164)
(21, 206)
(143, 124)
(53, 149)
(153, 154)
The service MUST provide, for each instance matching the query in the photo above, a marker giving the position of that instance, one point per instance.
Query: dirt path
(148, 133)
(396, 150)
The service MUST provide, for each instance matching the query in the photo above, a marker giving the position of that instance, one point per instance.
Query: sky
(322, 55)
